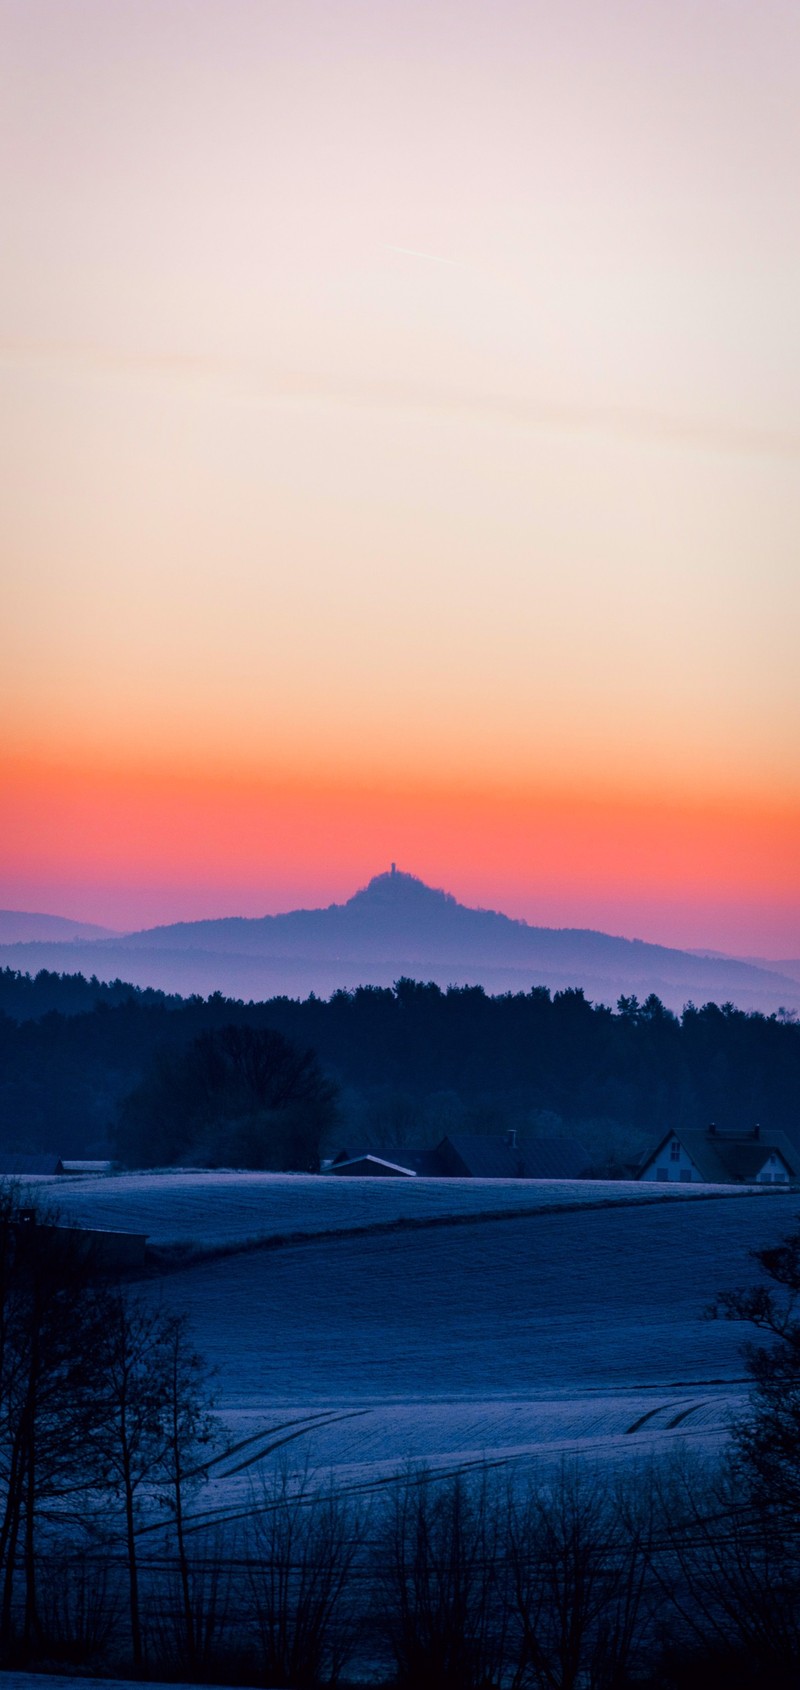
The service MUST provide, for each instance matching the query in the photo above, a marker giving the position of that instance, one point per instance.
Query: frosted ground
(573, 1325)
(212, 1209)
(39, 1681)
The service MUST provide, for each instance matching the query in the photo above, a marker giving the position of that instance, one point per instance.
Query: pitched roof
(349, 1164)
(348, 1154)
(15, 1165)
(730, 1158)
(83, 1167)
(491, 1156)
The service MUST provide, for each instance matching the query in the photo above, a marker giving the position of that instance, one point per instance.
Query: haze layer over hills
(18, 927)
(395, 926)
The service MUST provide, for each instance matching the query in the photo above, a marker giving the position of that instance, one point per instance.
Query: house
(20, 1165)
(83, 1167)
(499, 1156)
(368, 1164)
(474, 1156)
(712, 1157)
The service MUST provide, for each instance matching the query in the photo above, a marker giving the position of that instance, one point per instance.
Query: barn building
(21, 1165)
(474, 1156)
(712, 1157)
(367, 1164)
(500, 1156)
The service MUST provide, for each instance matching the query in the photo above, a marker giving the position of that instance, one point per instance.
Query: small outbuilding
(84, 1167)
(712, 1157)
(368, 1164)
(21, 1165)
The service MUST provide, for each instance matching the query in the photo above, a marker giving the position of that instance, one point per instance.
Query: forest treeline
(406, 1064)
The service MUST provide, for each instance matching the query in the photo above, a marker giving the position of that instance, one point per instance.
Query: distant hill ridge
(23, 927)
(393, 904)
(398, 925)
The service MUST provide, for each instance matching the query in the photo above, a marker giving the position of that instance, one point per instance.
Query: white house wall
(774, 1171)
(668, 1164)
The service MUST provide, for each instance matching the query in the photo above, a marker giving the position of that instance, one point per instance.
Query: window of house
(675, 1150)
(662, 1173)
(686, 1174)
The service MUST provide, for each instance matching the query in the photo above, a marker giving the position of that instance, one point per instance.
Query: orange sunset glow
(400, 436)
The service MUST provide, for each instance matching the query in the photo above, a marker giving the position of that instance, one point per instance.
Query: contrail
(258, 383)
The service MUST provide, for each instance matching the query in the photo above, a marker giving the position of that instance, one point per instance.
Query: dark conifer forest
(402, 1065)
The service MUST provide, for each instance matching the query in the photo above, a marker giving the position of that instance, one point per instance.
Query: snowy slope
(218, 1208)
(570, 1320)
(506, 1339)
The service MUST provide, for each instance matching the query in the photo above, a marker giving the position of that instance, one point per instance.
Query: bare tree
(302, 1544)
(189, 1431)
(730, 1579)
(577, 1550)
(439, 1551)
(129, 1433)
(47, 1379)
(766, 1438)
(98, 1392)
(150, 1425)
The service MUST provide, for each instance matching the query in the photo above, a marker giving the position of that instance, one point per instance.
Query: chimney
(394, 868)
(712, 1129)
(511, 1138)
(757, 1131)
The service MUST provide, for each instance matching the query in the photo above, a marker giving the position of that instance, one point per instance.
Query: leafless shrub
(577, 1571)
(204, 1646)
(730, 1569)
(444, 1611)
(301, 1545)
(80, 1607)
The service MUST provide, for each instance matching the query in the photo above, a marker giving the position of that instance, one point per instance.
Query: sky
(400, 459)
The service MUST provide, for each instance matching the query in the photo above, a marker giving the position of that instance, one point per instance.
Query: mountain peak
(394, 889)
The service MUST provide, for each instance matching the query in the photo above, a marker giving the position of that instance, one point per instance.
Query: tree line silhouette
(406, 1063)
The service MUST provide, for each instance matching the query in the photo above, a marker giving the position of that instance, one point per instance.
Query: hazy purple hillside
(23, 927)
(397, 925)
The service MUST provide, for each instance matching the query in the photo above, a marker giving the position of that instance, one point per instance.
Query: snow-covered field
(13, 1680)
(211, 1209)
(511, 1340)
(549, 1317)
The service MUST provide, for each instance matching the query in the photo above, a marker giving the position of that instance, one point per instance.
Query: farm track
(265, 1443)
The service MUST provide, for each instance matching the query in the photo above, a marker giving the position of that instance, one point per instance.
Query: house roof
(348, 1154)
(340, 1164)
(15, 1165)
(490, 1156)
(83, 1167)
(730, 1158)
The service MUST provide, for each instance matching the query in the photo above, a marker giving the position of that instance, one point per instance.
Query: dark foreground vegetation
(85, 1069)
(115, 1559)
(573, 1582)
